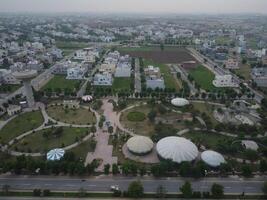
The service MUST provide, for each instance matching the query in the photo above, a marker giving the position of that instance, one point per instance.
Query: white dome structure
(55, 154)
(212, 158)
(178, 149)
(140, 144)
(179, 102)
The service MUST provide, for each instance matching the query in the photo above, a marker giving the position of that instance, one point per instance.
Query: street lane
(231, 185)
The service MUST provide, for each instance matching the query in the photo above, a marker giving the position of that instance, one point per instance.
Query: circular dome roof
(212, 158)
(140, 144)
(55, 154)
(178, 149)
(179, 102)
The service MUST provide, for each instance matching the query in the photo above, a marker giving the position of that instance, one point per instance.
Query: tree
(246, 170)
(46, 192)
(186, 190)
(161, 192)
(82, 192)
(93, 129)
(115, 169)
(264, 187)
(37, 192)
(135, 189)
(161, 46)
(5, 189)
(151, 115)
(263, 165)
(217, 191)
(110, 129)
(106, 169)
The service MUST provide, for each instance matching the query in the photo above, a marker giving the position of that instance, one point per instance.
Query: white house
(104, 79)
(153, 78)
(231, 64)
(224, 81)
(76, 72)
(123, 70)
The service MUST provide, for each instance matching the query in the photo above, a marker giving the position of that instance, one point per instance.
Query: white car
(114, 188)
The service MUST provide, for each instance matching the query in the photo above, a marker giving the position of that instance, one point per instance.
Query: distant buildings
(76, 72)
(189, 64)
(224, 81)
(104, 79)
(6, 77)
(13, 109)
(231, 64)
(259, 76)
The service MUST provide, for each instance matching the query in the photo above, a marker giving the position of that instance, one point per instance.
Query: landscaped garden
(69, 47)
(59, 83)
(71, 116)
(22, 123)
(136, 116)
(46, 139)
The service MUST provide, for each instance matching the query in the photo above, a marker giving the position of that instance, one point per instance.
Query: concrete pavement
(102, 184)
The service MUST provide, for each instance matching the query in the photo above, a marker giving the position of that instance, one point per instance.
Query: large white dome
(55, 154)
(212, 158)
(179, 102)
(177, 149)
(140, 144)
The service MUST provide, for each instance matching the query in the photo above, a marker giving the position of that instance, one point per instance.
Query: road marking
(92, 185)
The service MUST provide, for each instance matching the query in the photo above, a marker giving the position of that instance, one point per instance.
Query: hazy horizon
(137, 6)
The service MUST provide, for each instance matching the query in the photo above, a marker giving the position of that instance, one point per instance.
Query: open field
(60, 82)
(69, 47)
(244, 71)
(203, 77)
(20, 124)
(44, 140)
(169, 80)
(72, 116)
(169, 55)
(82, 149)
(121, 83)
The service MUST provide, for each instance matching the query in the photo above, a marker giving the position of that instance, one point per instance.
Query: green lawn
(22, 123)
(244, 71)
(73, 116)
(223, 40)
(60, 82)
(169, 80)
(136, 116)
(209, 140)
(206, 108)
(203, 77)
(39, 142)
(121, 83)
(69, 47)
(82, 150)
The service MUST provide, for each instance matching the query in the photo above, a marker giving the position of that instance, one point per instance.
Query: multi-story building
(231, 64)
(76, 73)
(259, 76)
(153, 78)
(224, 81)
(104, 79)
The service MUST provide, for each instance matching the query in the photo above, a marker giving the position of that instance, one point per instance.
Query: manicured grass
(223, 40)
(203, 77)
(69, 47)
(71, 116)
(209, 140)
(244, 71)
(38, 142)
(169, 80)
(60, 82)
(22, 123)
(121, 83)
(82, 150)
(206, 108)
(136, 116)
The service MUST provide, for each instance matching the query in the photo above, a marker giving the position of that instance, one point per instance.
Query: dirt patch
(164, 57)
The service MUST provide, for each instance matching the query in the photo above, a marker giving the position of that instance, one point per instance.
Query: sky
(136, 6)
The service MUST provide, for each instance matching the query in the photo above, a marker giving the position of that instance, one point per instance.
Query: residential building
(104, 79)
(224, 81)
(107, 67)
(76, 72)
(231, 64)
(13, 109)
(259, 76)
(153, 78)
(6, 77)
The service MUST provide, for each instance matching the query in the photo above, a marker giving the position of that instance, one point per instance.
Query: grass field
(60, 82)
(244, 71)
(73, 116)
(136, 116)
(203, 77)
(206, 108)
(121, 83)
(83, 149)
(37, 142)
(209, 140)
(169, 80)
(9, 88)
(69, 47)
(169, 55)
(22, 123)
(223, 40)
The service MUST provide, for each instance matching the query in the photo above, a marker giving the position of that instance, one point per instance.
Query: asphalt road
(102, 184)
